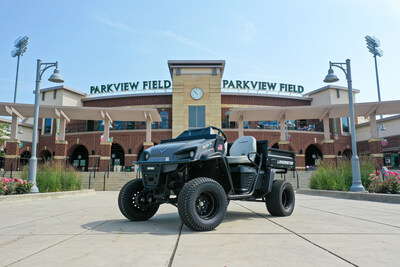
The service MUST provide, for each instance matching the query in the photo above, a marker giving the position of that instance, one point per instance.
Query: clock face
(196, 93)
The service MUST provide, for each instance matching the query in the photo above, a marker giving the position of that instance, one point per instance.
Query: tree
(4, 135)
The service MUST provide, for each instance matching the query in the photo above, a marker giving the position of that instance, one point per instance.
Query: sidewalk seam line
(171, 259)
(352, 217)
(302, 237)
(62, 241)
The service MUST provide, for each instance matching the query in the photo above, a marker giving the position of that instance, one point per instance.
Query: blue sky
(100, 42)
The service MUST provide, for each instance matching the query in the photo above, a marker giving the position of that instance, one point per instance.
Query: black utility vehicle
(197, 173)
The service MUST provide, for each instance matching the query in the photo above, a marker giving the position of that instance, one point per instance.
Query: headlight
(187, 154)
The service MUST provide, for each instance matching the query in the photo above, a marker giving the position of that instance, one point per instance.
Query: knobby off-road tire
(128, 202)
(281, 200)
(202, 204)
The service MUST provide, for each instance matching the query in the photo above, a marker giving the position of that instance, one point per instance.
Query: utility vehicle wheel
(281, 200)
(202, 204)
(134, 202)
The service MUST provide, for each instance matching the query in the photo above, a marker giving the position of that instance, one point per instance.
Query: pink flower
(5, 187)
(6, 180)
(20, 180)
(16, 180)
(396, 173)
(377, 173)
(27, 182)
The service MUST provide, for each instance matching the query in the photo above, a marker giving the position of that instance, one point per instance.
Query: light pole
(355, 163)
(372, 44)
(20, 48)
(55, 77)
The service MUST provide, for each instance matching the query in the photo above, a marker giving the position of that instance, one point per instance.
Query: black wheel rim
(286, 199)
(139, 200)
(206, 205)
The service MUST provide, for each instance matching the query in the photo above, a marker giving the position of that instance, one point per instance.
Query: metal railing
(95, 165)
(106, 173)
(10, 167)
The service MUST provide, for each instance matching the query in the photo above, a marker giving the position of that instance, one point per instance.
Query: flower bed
(389, 183)
(14, 186)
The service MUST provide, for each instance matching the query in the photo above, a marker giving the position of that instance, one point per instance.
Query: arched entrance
(80, 158)
(117, 156)
(312, 154)
(276, 145)
(347, 154)
(45, 156)
(25, 156)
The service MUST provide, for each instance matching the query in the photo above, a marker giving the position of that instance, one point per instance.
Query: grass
(53, 177)
(340, 177)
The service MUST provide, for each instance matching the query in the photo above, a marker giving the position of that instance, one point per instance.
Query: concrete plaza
(88, 230)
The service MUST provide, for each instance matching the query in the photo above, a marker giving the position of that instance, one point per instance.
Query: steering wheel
(220, 132)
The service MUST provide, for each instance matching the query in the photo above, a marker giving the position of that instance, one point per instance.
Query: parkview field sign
(129, 86)
(256, 85)
(166, 84)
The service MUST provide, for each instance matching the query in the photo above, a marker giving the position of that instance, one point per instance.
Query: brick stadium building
(106, 129)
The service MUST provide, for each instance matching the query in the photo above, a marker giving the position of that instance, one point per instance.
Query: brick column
(129, 158)
(61, 151)
(147, 145)
(300, 162)
(328, 151)
(105, 155)
(375, 151)
(284, 145)
(92, 160)
(12, 152)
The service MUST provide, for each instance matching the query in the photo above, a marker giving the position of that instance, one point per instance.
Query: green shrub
(340, 177)
(53, 177)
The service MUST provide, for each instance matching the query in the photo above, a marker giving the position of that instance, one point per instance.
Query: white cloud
(186, 41)
(116, 25)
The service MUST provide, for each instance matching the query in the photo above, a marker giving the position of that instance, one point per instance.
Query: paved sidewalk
(90, 231)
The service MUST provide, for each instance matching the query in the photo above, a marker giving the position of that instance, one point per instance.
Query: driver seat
(240, 150)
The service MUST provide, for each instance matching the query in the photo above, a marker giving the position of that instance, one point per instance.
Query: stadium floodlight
(20, 48)
(372, 44)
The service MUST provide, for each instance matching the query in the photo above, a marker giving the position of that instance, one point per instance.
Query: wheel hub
(206, 205)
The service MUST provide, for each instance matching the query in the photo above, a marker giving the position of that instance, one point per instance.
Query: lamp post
(355, 163)
(20, 48)
(372, 44)
(55, 77)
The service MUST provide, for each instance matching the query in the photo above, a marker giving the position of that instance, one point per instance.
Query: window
(43, 96)
(335, 126)
(100, 126)
(164, 118)
(55, 94)
(90, 126)
(345, 126)
(227, 123)
(47, 126)
(130, 125)
(197, 117)
(118, 125)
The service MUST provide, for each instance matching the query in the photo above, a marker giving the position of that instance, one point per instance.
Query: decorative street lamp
(372, 44)
(355, 163)
(56, 78)
(20, 48)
